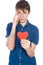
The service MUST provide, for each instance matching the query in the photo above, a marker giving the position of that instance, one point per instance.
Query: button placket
(19, 63)
(22, 29)
(20, 56)
(20, 51)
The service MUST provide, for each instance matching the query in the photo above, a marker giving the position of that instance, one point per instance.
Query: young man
(22, 37)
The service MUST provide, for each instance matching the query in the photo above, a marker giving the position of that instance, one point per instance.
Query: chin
(22, 21)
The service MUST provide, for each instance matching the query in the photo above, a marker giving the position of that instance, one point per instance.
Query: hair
(23, 4)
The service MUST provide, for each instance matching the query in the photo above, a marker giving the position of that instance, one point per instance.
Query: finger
(23, 46)
(24, 40)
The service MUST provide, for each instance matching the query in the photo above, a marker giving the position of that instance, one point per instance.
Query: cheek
(26, 15)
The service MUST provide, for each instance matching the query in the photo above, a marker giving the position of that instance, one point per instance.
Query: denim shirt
(18, 55)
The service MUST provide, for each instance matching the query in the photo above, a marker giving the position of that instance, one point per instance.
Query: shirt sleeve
(36, 36)
(8, 29)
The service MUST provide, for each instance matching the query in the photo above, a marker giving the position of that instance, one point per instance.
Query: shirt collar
(27, 24)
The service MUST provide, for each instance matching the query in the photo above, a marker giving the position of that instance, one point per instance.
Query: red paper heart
(22, 35)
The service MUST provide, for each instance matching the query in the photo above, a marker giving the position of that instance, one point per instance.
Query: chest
(24, 33)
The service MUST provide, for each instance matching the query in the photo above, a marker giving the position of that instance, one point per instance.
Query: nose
(21, 16)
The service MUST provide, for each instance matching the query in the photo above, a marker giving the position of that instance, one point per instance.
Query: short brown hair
(22, 4)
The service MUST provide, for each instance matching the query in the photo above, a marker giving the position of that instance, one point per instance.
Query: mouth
(21, 19)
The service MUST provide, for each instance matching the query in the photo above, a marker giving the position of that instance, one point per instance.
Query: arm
(11, 39)
(30, 50)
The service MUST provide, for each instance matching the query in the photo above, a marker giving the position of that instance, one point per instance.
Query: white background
(7, 10)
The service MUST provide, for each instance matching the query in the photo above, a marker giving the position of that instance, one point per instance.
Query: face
(22, 15)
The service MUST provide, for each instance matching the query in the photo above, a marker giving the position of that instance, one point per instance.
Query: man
(22, 37)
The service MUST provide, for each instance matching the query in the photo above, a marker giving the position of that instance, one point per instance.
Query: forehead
(21, 10)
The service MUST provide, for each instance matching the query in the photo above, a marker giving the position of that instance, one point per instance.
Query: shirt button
(19, 63)
(20, 50)
(20, 57)
(22, 29)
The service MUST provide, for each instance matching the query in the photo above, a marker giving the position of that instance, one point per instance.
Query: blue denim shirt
(18, 55)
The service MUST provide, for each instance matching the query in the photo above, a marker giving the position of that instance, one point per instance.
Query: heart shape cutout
(22, 35)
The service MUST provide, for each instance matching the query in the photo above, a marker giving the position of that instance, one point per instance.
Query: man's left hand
(25, 44)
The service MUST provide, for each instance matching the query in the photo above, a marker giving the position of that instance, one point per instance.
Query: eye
(25, 11)
(19, 12)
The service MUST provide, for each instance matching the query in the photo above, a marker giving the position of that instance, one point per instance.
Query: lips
(22, 35)
(22, 19)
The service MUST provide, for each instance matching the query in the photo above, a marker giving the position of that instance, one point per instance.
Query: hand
(25, 44)
(15, 22)
(15, 19)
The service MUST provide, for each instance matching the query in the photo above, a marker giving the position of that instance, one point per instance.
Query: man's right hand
(15, 19)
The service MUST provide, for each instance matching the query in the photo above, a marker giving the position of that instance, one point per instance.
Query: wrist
(15, 23)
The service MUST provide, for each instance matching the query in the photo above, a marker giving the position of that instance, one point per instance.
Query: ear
(28, 13)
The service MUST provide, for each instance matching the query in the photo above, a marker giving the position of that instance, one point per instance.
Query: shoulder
(9, 27)
(9, 24)
(33, 27)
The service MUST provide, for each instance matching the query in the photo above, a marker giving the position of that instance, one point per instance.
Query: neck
(23, 23)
